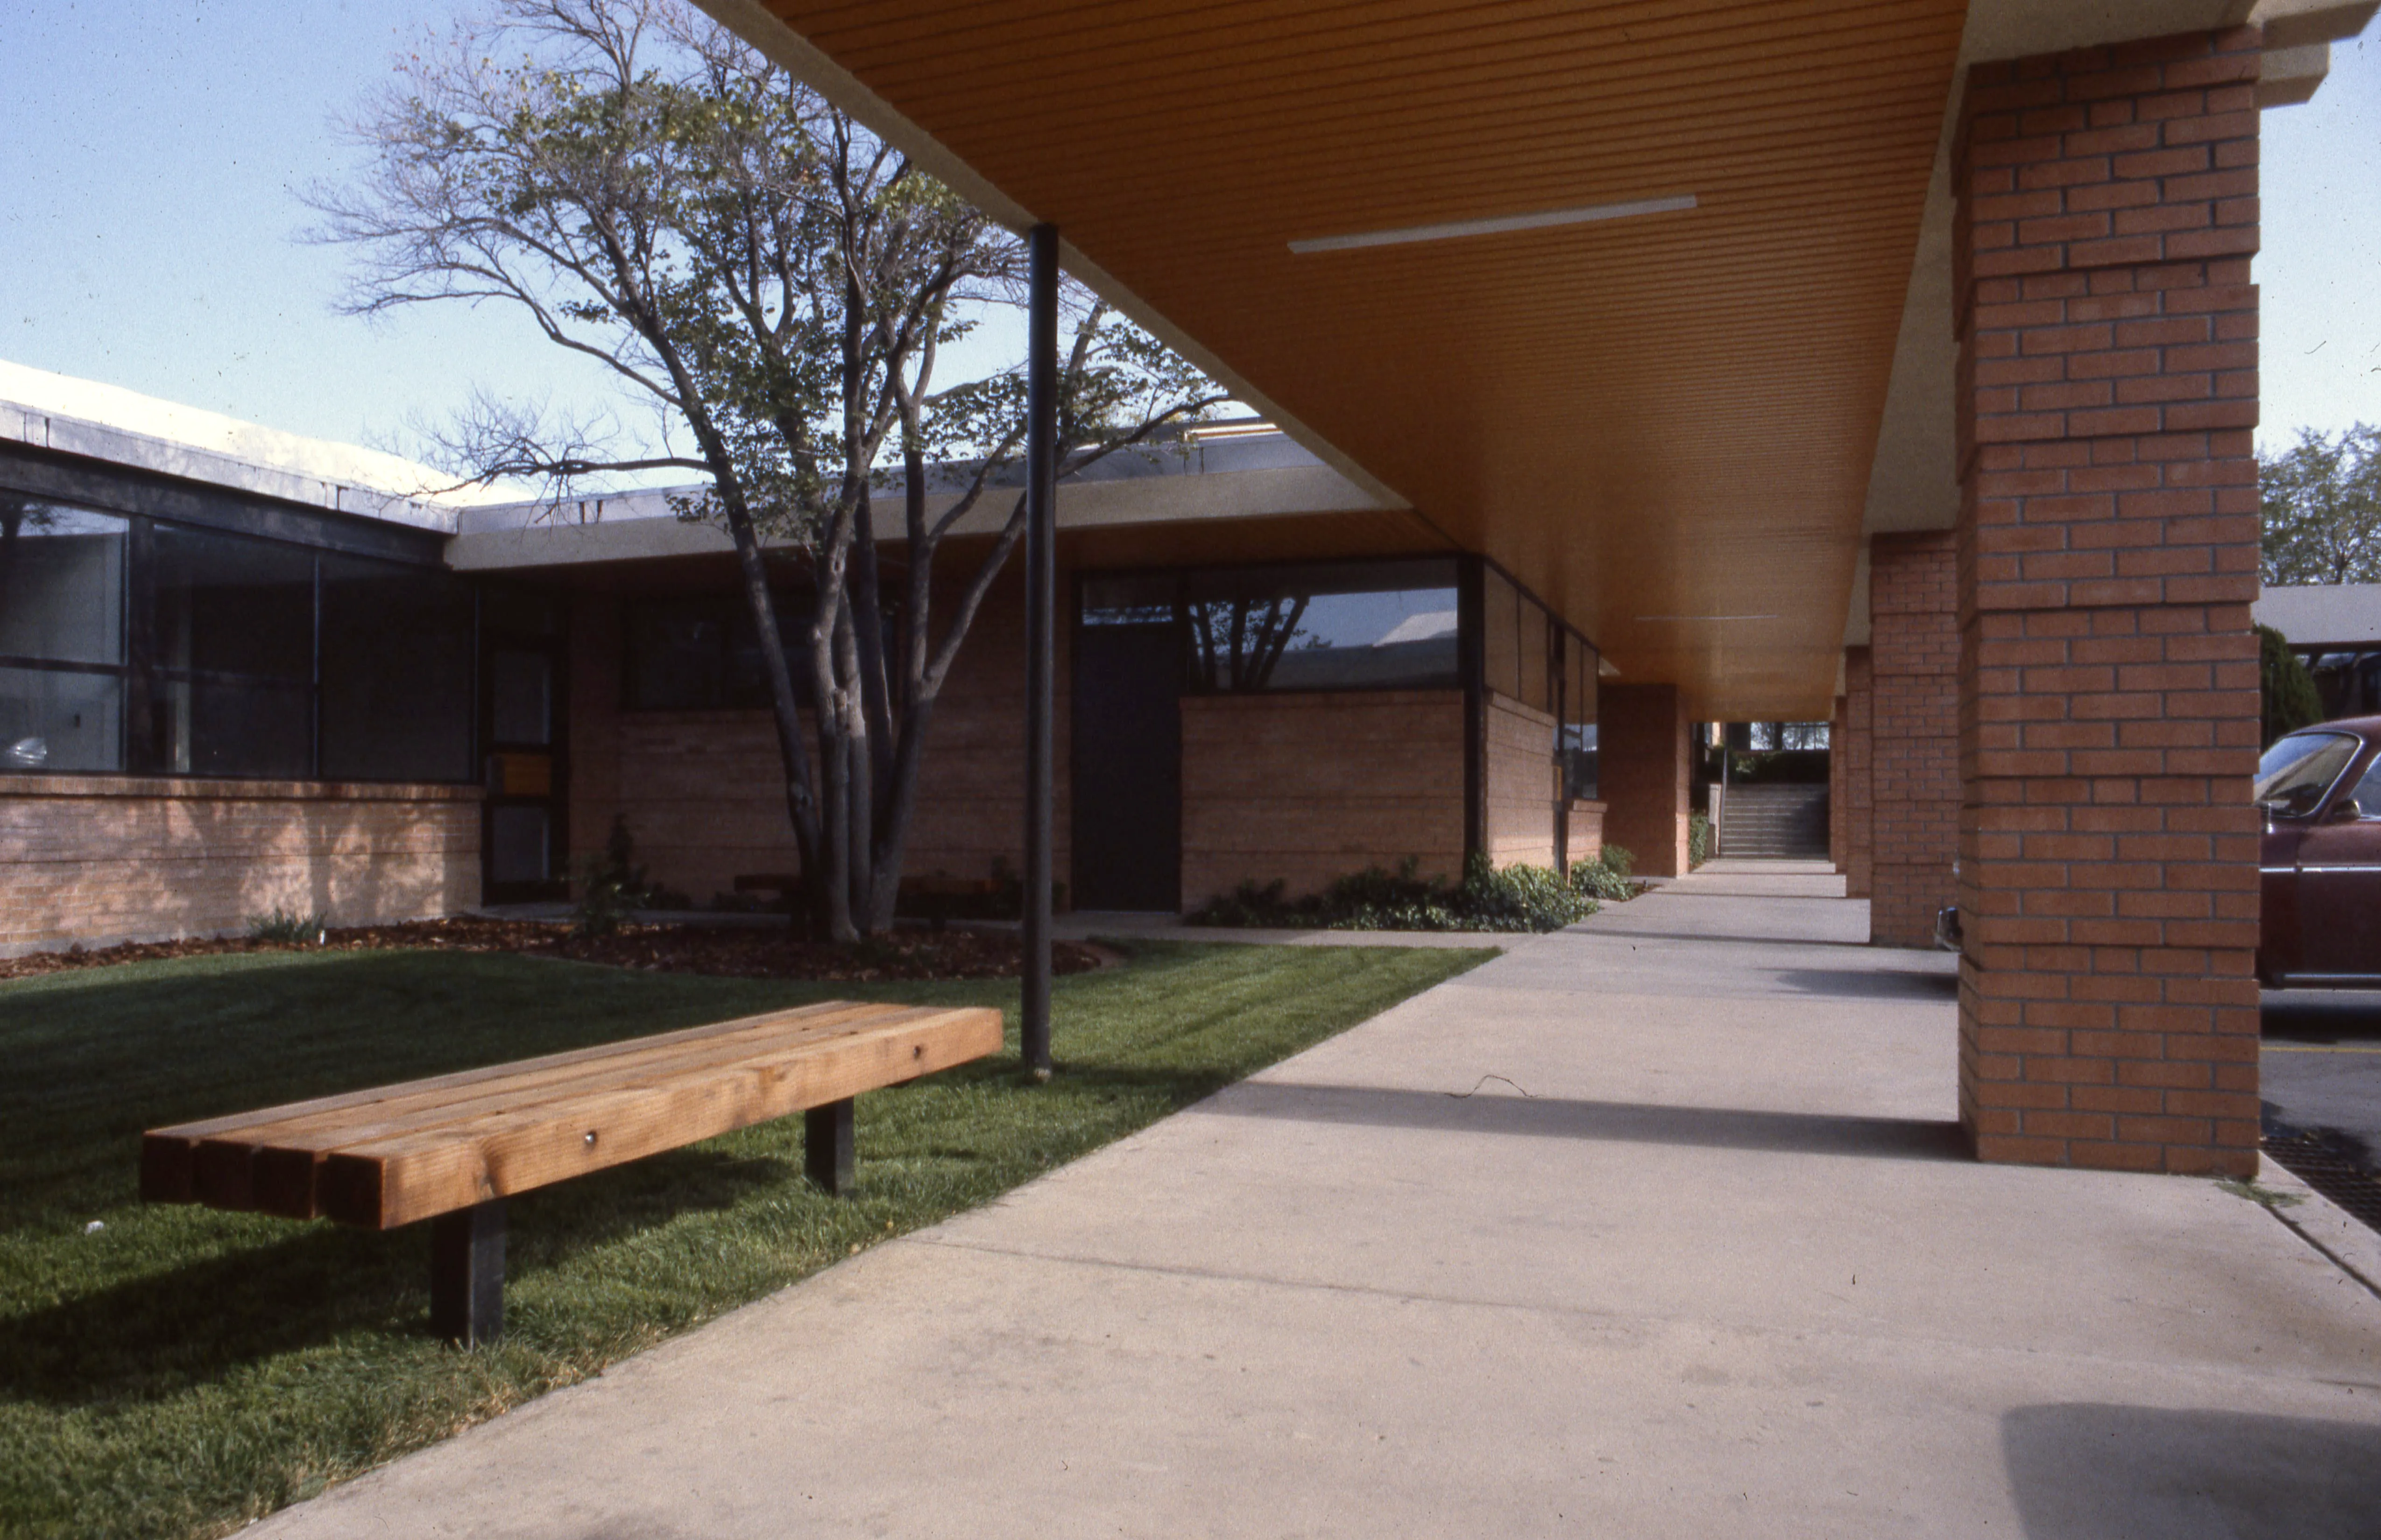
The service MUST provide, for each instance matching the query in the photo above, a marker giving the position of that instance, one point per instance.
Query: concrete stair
(1782, 821)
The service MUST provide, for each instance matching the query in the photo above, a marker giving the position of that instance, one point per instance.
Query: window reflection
(60, 720)
(61, 583)
(136, 643)
(1370, 625)
(61, 604)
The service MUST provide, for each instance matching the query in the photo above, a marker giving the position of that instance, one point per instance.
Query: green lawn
(180, 1370)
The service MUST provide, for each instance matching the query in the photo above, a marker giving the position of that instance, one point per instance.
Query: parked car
(2320, 863)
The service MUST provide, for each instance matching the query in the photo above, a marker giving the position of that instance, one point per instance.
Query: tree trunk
(801, 806)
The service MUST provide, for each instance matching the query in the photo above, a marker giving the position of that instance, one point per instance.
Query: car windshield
(2297, 770)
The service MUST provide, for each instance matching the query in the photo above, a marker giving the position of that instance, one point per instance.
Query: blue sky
(156, 147)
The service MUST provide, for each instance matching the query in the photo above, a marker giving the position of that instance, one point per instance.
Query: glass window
(61, 583)
(1355, 625)
(60, 720)
(2368, 792)
(1531, 645)
(704, 653)
(222, 726)
(224, 604)
(1501, 634)
(232, 626)
(2295, 773)
(1579, 779)
(520, 686)
(397, 673)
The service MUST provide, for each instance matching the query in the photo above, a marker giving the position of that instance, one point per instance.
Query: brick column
(1642, 770)
(1913, 647)
(1838, 800)
(2108, 558)
(1860, 746)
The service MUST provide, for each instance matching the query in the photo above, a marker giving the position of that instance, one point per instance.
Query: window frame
(146, 500)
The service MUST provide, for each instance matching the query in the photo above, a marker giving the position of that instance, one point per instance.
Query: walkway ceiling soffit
(1667, 424)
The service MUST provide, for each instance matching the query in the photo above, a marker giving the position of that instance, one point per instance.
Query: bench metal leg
(827, 1153)
(467, 1274)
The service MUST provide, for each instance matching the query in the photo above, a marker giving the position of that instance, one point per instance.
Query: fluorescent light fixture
(1238, 428)
(1502, 225)
(1705, 617)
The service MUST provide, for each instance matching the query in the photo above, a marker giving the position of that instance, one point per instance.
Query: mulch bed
(738, 952)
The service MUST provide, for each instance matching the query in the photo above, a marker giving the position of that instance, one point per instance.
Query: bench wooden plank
(237, 1167)
(283, 1163)
(387, 1183)
(167, 1154)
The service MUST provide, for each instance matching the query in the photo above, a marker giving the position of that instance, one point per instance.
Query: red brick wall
(1308, 787)
(1520, 791)
(1858, 809)
(1586, 842)
(703, 792)
(1915, 734)
(2108, 549)
(1642, 770)
(97, 859)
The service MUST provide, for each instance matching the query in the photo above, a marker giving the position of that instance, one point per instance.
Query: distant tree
(2287, 692)
(2321, 501)
(777, 284)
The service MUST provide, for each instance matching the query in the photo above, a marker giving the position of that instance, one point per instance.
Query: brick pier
(2107, 551)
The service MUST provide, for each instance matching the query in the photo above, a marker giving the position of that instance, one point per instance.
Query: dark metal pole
(1041, 629)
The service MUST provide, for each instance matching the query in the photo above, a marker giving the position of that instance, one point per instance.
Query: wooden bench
(452, 1149)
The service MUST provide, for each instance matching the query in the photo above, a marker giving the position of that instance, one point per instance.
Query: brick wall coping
(169, 788)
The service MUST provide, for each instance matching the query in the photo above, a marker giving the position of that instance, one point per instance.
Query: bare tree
(777, 284)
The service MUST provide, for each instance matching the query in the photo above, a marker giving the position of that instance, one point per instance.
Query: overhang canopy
(1665, 423)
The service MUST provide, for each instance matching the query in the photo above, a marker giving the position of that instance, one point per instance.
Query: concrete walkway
(1656, 1228)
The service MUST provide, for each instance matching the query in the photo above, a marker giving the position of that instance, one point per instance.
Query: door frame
(1075, 842)
(499, 758)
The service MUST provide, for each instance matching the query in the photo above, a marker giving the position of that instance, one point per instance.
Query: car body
(2319, 866)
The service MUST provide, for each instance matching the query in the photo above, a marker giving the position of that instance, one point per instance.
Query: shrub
(1606, 876)
(2286, 691)
(614, 888)
(289, 927)
(1514, 898)
(1698, 840)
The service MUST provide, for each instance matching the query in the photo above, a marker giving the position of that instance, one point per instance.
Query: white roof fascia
(2342, 615)
(124, 428)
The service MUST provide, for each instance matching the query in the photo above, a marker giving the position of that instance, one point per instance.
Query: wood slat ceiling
(1665, 415)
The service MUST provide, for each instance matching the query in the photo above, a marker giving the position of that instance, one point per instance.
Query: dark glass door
(524, 844)
(1128, 767)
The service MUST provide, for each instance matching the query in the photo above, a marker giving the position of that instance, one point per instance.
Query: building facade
(232, 683)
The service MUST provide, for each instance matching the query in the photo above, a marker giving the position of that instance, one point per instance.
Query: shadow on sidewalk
(2082, 1470)
(1494, 1108)
(1873, 983)
(1623, 933)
